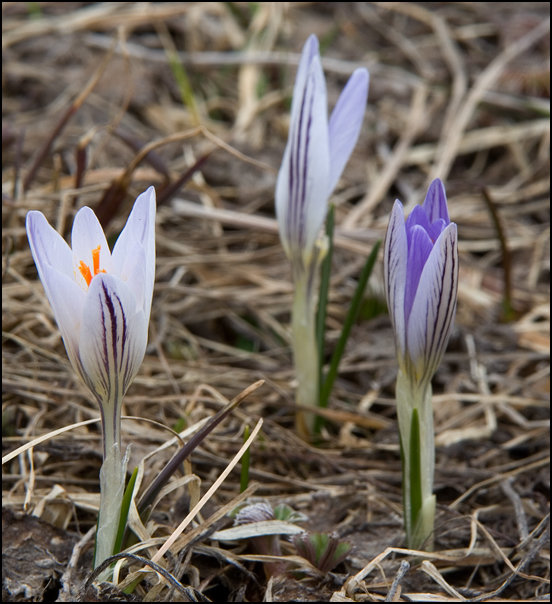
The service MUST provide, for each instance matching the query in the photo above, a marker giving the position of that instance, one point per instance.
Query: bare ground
(459, 91)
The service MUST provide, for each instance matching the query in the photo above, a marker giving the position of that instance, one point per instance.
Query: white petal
(87, 235)
(302, 187)
(395, 255)
(47, 246)
(434, 306)
(137, 280)
(67, 301)
(282, 204)
(53, 259)
(310, 50)
(139, 233)
(346, 122)
(112, 340)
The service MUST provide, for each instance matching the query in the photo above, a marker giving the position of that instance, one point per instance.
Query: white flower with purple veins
(421, 283)
(315, 155)
(101, 301)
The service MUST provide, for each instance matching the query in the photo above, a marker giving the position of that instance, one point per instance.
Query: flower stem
(112, 483)
(415, 415)
(305, 352)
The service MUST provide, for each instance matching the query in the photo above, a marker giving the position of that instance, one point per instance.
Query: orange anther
(85, 272)
(85, 269)
(96, 260)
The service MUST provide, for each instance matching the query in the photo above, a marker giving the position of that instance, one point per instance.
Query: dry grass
(93, 113)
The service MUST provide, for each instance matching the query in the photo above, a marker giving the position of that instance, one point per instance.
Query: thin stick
(506, 257)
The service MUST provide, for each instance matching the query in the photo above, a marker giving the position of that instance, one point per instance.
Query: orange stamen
(85, 272)
(85, 269)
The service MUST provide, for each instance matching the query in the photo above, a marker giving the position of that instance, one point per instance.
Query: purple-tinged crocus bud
(421, 283)
(315, 154)
(101, 301)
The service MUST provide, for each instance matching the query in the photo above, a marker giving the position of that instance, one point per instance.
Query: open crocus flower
(421, 282)
(101, 302)
(315, 155)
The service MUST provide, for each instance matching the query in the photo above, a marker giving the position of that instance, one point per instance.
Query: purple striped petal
(308, 54)
(395, 257)
(434, 306)
(113, 338)
(302, 185)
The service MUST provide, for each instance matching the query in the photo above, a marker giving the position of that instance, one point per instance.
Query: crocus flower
(421, 282)
(101, 302)
(315, 155)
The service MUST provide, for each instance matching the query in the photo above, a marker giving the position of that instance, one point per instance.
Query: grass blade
(415, 476)
(125, 506)
(352, 314)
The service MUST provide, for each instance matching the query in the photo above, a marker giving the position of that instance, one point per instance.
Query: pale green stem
(112, 483)
(305, 352)
(415, 415)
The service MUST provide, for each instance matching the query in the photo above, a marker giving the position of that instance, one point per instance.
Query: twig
(506, 258)
(403, 569)
(521, 518)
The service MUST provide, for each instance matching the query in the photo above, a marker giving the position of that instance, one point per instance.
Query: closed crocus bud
(316, 153)
(421, 283)
(101, 301)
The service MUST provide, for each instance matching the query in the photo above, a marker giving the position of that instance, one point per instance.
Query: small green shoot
(322, 550)
(125, 507)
